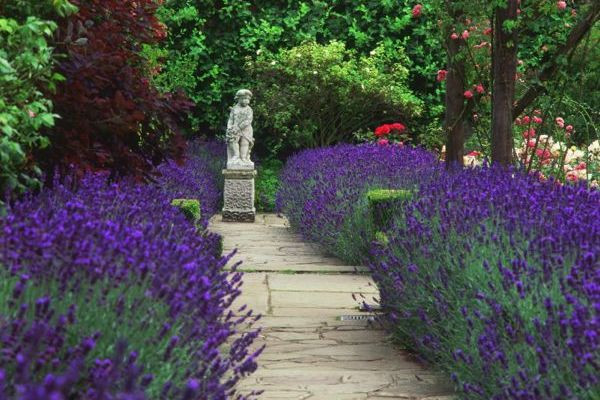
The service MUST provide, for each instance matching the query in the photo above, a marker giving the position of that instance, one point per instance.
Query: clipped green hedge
(189, 207)
(383, 204)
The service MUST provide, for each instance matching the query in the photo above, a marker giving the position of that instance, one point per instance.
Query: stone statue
(239, 135)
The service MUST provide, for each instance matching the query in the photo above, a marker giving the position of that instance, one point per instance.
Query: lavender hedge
(489, 274)
(109, 292)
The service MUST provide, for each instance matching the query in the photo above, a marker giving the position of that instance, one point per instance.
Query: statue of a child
(239, 133)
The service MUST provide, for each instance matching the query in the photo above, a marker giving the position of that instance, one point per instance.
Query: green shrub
(190, 208)
(267, 184)
(383, 205)
(209, 39)
(26, 62)
(316, 95)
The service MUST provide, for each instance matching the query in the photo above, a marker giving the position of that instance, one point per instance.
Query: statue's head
(243, 97)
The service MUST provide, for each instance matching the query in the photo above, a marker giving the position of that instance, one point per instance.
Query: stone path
(312, 353)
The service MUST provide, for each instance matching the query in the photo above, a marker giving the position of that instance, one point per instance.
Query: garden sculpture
(239, 133)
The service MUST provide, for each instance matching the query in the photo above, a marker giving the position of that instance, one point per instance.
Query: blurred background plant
(314, 95)
(267, 184)
(209, 42)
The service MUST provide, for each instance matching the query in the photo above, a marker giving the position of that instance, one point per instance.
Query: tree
(516, 31)
(504, 70)
(455, 88)
(112, 118)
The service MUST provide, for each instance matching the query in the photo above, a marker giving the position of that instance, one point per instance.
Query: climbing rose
(383, 142)
(560, 122)
(529, 133)
(480, 89)
(537, 120)
(569, 128)
(468, 94)
(441, 75)
(518, 121)
(526, 119)
(416, 11)
(561, 5)
(454, 36)
(488, 31)
(465, 34)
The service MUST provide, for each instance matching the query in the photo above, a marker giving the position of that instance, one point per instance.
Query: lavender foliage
(109, 292)
(488, 273)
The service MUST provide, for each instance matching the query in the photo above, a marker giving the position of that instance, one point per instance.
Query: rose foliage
(490, 274)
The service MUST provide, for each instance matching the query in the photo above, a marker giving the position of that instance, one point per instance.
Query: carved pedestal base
(238, 204)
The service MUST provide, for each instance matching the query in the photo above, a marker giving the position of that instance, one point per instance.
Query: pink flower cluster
(416, 11)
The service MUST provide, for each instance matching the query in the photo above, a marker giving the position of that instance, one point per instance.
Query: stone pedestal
(238, 205)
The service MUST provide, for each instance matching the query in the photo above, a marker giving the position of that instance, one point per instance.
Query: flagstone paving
(311, 353)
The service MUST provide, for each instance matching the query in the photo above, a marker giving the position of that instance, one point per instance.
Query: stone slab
(322, 283)
(255, 294)
(316, 300)
(310, 353)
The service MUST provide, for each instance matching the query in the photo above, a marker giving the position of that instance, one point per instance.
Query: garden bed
(112, 292)
(487, 273)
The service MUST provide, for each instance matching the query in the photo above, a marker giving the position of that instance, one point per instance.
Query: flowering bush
(391, 133)
(556, 154)
(488, 273)
(321, 188)
(108, 291)
(330, 93)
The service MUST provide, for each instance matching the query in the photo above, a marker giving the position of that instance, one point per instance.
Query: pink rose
(537, 120)
(529, 133)
(383, 142)
(468, 94)
(416, 11)
(454, 36)
(569, 128)
(526, 119)
(31, 114)
(560, 122)
(441, 75)
(561, 5)
(480, 89)
(465, 35)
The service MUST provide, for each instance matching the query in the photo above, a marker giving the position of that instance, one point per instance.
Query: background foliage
(316, 95)
(210, 40)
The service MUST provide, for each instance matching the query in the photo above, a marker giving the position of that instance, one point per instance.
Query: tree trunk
(504, 70)
(455, 102)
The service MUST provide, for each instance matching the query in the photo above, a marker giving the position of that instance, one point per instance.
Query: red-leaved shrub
(111, 116)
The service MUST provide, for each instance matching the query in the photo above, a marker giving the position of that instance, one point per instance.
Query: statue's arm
(231, 121)
(247, 120)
